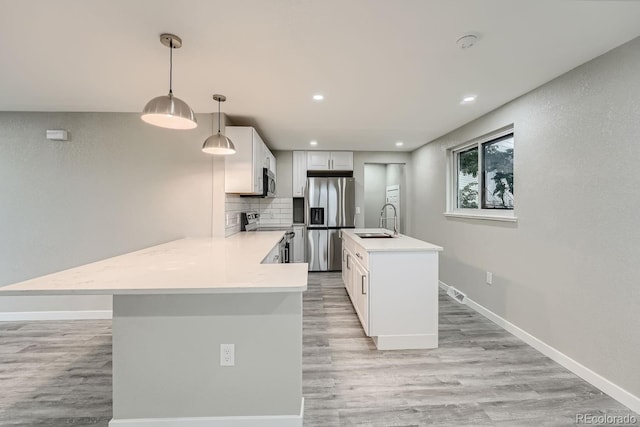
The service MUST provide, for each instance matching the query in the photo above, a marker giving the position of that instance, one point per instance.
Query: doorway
(384, 183)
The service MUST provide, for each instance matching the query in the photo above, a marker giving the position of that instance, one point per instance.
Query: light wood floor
(59, 373)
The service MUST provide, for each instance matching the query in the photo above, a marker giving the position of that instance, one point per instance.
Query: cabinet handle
(362, 284)
(348, 266)
(358, 255)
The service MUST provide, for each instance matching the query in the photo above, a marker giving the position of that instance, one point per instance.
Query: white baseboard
(239, 421)
(19, 316)
(406, 342)
(618, 393)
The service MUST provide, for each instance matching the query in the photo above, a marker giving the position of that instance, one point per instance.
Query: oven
(250, 221)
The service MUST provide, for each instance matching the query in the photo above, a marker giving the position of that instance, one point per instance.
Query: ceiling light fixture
(318, 97)
(218, 144)
(468, 99)
(399, 144)
(167, 111)
(467, 40)
(313, 143)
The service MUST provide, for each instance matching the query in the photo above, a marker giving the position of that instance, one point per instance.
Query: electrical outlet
(489, 278)
(227, 354)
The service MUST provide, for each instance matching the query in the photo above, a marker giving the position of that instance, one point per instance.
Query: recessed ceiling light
(318, 97)
(313, 143)
(468, 99)
(399, 144)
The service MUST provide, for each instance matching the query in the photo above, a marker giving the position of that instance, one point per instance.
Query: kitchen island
(174, 305)
(393, 284)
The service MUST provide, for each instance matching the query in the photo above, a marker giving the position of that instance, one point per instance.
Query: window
(482, 178)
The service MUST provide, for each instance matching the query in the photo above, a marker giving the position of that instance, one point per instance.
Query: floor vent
(457, 295)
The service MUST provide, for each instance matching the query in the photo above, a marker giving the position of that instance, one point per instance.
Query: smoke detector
(467, 40)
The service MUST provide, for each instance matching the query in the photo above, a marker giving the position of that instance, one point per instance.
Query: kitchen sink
(374, 235)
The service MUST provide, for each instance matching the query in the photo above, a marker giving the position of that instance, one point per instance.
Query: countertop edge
(420, 247)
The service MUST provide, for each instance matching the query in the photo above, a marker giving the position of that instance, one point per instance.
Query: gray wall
(568, 271)
(375, 187)
(118, 185)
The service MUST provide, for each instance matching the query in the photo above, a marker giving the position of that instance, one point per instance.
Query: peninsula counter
(173, 306)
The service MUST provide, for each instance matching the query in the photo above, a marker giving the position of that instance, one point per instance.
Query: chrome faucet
(395, 217)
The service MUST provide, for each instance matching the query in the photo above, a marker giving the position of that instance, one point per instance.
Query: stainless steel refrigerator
(329, 206)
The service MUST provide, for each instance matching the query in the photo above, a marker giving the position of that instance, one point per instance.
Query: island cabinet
(393, 286)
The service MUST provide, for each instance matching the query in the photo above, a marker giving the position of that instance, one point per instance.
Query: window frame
(452, 180)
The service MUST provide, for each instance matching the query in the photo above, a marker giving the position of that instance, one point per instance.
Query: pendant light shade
(168, 111)
(219, 144)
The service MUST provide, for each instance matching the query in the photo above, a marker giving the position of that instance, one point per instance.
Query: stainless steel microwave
(269, 183)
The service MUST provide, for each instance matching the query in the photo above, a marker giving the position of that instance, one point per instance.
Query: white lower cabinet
(394, 293)
(346, 270)
(361, 295)
(273, 257)
(298, 243)
(356, 283)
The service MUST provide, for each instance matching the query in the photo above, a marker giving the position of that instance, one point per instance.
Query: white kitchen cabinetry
(243, 170)
(270, 161)
(346, 269)
(393, 286)
(298, 243)
(356, 281)
(360, 291)
(273, 257)
(330, 160)
(299, 173)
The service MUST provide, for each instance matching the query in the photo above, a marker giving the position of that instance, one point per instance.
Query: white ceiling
(389, 70)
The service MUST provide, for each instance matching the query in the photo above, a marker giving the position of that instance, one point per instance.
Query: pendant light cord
(170, 67)
(218, 116)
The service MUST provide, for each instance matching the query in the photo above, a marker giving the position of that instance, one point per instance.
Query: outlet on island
(227, 355)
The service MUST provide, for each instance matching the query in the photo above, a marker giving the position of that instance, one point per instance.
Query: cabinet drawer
(361, 255)
(357, 252)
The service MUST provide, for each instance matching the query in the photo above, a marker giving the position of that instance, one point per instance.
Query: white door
(393, 197)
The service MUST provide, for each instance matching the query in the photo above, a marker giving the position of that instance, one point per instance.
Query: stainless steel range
(250, 221)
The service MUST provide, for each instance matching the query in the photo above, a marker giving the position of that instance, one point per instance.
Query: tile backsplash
(273, 211)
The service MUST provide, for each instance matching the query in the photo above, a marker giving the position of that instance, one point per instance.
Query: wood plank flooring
(59, 373)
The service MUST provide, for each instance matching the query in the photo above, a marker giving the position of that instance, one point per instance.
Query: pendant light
(219, 144)
(168, 111)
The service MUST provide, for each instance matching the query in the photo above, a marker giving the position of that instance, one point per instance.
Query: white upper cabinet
(299, 180)
(330, 160)
(342, 160)
(243, 170)
(270, 162)
(318, 160)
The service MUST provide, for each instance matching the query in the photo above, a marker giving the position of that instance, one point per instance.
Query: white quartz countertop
(186, 266)
(400, 243)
